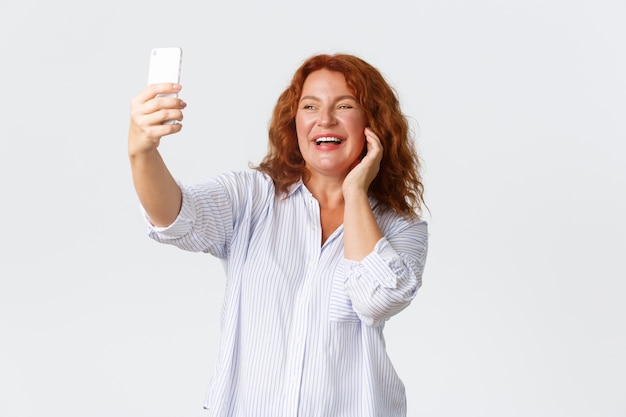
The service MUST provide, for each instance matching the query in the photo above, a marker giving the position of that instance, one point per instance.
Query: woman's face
(330, 124)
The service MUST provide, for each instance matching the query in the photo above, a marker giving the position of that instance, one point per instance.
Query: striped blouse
(302, 327)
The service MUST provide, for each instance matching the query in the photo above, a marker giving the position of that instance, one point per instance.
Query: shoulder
(248, 191)
(238, 187)
(389, 219)
(246, 181)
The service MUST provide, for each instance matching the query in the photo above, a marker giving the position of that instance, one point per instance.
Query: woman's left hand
(365, 170)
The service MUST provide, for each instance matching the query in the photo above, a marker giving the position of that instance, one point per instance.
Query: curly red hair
(398, 183)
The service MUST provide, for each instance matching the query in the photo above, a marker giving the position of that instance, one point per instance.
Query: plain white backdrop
(520, 109)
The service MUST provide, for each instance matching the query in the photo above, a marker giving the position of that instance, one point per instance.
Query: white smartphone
(165, 64)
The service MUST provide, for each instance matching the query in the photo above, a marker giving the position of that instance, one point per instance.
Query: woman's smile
(330, 124)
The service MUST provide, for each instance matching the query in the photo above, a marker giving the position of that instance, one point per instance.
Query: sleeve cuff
(181, 225)
(384, 264)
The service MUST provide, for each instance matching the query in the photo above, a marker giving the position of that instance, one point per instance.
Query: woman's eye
(345, 106)
(308, 107)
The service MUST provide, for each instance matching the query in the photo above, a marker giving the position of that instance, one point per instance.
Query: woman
(322, 242)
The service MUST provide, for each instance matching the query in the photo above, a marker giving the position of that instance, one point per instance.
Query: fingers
(374, 145)
(152, 90)
(150, 110)
(150, 107)
(161, 109)
(151, 126)
(160, 130)
(366, 169)
(158, 96)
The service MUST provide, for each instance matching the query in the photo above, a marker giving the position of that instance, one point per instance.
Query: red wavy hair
(398, 184)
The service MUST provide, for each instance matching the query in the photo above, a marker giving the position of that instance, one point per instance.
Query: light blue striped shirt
(302, 327)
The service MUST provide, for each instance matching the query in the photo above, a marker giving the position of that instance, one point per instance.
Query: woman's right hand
(147, 114)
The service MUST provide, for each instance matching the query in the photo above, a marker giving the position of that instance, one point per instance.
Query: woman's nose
(326, 117)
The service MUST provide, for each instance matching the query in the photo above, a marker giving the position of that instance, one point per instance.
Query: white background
(521, 111)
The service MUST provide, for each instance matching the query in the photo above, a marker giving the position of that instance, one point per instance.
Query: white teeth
(329, 139)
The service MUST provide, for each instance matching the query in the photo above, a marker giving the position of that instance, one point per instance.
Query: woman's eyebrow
(344, 97)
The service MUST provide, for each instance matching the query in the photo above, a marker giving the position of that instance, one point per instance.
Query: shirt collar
(299, 184)
(294, 187)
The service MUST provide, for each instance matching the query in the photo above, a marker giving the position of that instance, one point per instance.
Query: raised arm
(157, 190)
(361, 232)
(383, 275)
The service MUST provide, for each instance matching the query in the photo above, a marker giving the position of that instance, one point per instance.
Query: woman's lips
(328, 140)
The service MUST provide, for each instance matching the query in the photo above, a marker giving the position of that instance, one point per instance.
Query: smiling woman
(322, 242)
(399, 183)
(330, 126)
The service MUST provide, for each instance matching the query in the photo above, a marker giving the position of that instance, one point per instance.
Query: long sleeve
(386, 281)
(204, 223)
